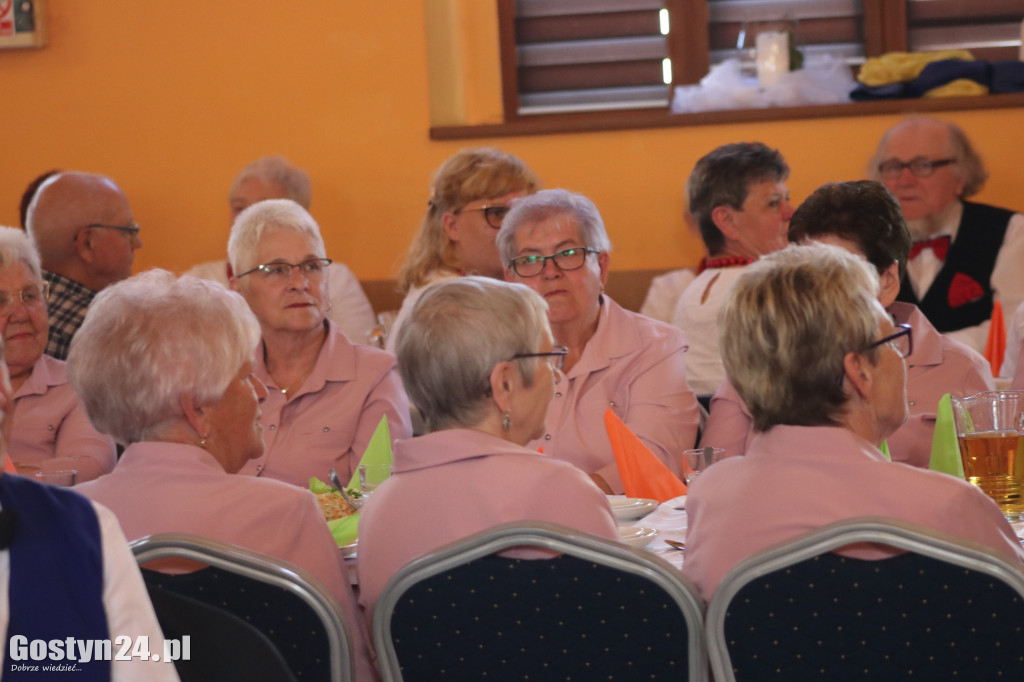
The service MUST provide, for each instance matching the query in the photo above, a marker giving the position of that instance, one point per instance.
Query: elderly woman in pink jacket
(50, 430)
(477, 358)
(555, 243)
(325, 394)
(822, 369)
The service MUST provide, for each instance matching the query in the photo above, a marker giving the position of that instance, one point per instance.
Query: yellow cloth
(900, 67)
(643, 475)
(961, 87)
(945, 446)
(995, 345)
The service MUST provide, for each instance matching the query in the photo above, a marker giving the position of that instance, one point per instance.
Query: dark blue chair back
(597, 610)
(940, 610)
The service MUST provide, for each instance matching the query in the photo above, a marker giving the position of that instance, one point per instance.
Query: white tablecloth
(670, 523)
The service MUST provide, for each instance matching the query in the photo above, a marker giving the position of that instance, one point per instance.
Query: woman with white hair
(165, 366)
(821, 366)
(469, 198)
(326, 395)
(555, 243)
(478, 360)
(49, 429)
(274, 177)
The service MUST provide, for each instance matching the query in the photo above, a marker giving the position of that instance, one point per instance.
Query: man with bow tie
(965, 255)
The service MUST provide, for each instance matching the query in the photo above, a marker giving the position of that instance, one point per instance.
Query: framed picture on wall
(22, 23)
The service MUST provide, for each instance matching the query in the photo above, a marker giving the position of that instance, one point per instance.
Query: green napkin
(346, 530)
(378, 451)
(945, 447)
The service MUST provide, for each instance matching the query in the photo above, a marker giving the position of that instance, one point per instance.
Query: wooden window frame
(885, 30)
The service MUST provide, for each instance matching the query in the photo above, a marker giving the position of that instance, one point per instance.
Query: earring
(202, 441)
(506, 420)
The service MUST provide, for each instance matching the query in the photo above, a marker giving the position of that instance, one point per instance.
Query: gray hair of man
(549, 203)
(16, 246)
(151, 339)
(264, 217)
(723, 177)
(786, 327)
(277, 170)
(457, 333)
(969, 168)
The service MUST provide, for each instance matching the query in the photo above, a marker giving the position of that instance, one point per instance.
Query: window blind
(586, 55)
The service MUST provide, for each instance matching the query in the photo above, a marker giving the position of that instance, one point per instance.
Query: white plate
(630, 508)
(635, 536)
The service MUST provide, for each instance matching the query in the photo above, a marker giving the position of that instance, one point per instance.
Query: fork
(341, 489)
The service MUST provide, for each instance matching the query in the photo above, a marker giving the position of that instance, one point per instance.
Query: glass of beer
(990, 433)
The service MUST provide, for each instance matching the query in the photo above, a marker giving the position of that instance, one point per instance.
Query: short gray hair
(150, 339)
(546, 204)
(15, 246)
(277, 170)
(264, 217)
(970, 168)
(457, 333)
(786, 326)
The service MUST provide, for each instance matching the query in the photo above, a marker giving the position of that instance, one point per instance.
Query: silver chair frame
(265, 569)
(559, 539)
(864, 529)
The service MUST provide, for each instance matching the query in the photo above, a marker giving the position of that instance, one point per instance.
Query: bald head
(59, 221)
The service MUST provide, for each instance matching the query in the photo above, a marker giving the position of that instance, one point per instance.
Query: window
(570, 56)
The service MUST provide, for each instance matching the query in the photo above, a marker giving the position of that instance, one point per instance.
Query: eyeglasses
(131, 230)
(280, 271)
(920, 167)
(565, 260)
(494, 215)
(902, 341)
(556, 356)
(31, 296)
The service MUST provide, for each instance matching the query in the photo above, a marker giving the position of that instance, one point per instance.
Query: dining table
(668, 519)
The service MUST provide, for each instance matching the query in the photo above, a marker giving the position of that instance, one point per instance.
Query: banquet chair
(290, 607)
(938, 608)
(215, 639)
(595, 610)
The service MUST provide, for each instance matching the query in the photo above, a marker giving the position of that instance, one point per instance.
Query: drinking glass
(990, 433)
(697, 460)
(61, 477)
(371, 476)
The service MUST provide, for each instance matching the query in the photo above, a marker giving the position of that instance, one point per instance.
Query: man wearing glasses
(965, 255)
(83, 227)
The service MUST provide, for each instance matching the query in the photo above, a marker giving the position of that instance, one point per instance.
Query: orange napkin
(9, 465)
(643, 474)
(995, 346)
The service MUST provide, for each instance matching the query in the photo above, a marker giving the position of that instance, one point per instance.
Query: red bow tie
(939, 246)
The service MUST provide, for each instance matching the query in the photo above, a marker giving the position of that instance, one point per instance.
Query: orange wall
(171, 100)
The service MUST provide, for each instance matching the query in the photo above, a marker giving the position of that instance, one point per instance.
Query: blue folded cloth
(1007, 77)
(937, 74)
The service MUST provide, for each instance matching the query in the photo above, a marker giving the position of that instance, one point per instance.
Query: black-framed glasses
(280, 271)
(565, 260)
(132, 229)
(902, 341)
(494, 215)
(919, 166)
(32, 295)
(556, 356)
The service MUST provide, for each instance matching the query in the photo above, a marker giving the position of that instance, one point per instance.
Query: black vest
(972, 254)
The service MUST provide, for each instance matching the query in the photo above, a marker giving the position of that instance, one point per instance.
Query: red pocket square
(963, 290)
